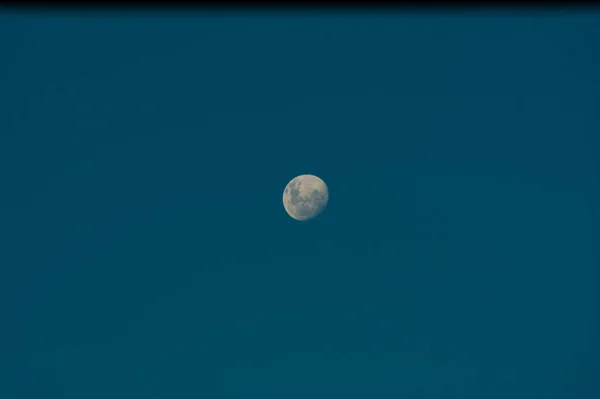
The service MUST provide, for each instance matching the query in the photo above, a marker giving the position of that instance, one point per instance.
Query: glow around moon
(305, 197)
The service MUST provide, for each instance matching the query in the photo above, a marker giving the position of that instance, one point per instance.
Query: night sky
(145, 251)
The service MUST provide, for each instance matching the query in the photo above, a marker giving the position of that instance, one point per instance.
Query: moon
(305, 197)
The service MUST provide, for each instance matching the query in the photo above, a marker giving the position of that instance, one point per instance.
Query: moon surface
(305, 197)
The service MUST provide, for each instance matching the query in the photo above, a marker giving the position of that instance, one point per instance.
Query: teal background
(145, 251)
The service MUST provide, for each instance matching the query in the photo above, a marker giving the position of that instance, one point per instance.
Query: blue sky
(145, 251)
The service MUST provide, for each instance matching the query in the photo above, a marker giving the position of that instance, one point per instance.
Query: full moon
(305, 196)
